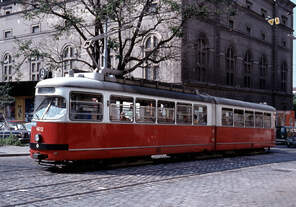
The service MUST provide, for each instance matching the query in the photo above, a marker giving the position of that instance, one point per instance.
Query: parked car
(15, 128)
(291, 141)
(29, 125)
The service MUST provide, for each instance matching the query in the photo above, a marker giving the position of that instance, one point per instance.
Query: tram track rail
(115, 181)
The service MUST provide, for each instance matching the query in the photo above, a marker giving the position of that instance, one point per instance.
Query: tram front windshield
(49, 108)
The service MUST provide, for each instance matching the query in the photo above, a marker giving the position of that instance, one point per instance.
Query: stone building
(243, 57)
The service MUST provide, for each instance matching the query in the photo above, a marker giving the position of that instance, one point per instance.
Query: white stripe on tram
(138, 147)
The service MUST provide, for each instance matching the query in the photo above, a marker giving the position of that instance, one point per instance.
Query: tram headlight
(38, 137)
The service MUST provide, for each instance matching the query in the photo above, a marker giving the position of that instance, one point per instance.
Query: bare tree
(130, 21)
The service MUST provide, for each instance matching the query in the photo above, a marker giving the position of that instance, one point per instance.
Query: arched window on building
(7, 68)
(230, 66)
(35, 66)
(248, 65)
(284, 71)
(202, 59)
(263, 72)
(68, 59)
(151, 71)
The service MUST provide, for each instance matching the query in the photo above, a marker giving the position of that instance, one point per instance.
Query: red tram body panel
(229, 138)
(87, 119)
(122, 140)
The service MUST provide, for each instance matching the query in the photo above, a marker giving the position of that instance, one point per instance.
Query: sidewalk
(6, 151)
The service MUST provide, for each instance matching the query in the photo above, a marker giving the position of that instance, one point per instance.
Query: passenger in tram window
(195, 119)
(123, 117)
(204, 119)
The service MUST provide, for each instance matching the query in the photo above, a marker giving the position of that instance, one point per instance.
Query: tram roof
(85, 83)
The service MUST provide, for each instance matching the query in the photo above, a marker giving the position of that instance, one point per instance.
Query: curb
(14, 155)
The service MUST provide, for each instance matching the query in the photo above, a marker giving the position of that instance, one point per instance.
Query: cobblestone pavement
(258, 180)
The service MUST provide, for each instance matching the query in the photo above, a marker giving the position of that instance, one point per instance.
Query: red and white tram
(81, 118)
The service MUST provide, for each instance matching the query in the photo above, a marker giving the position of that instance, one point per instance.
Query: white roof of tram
(89, 83)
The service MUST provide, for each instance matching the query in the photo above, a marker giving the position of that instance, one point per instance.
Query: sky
(294, 48)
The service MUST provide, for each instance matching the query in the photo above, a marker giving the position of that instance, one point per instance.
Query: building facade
(243, 57)
(240, 57)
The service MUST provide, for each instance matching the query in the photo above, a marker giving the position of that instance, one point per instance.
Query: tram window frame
(239, 118)
(226, 118)
(82, 106)
(50, 107)
(252, 120)
(166, 112)
(264, 120)
(200, 114)
(123, 113)
(184, 117)
(258, 118)
(146, 113)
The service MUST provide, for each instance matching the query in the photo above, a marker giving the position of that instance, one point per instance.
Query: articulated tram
(82, 118)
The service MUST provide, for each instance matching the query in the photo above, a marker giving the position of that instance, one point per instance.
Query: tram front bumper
(39, 156)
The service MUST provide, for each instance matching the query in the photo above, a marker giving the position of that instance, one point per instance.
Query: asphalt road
(257, 180)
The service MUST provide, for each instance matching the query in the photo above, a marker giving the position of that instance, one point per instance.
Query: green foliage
(11, 140)
(5, 98)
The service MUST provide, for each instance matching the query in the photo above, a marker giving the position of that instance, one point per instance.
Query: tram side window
(238, 118)
(86, 106)
(249, 119)
(184, 113)
(145, 110)
(166, 112)
(259, 120)
(267, 120)
(199, 115)
(227, 117)
(121, 109)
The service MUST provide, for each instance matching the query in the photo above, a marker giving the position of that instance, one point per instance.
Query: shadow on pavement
(184, 167)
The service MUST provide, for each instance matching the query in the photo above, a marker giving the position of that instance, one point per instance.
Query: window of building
(284, 43)
(263, 65)
(230, 66)
(7, 68)
(7, 34)
(249, 4)
(153, 6)
(202, 60)
(258, 120)
(184, 113)
(86, 106)
(151, 71)
(199, 114)
(238, 118)
(284, 20)
(284, 69)
(262, 83)
(248, 29)
(227, 117)
(263, 36)
(231, 24)
(248, 64)
(35, 68)
(165, 112)
(121, 109)
(249, 119)
(35, 29)
(7, 10)
(145, 110)
(68, 59)
(263, 13)
(263, 71)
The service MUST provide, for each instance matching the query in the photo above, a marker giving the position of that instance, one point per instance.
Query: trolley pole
(106, 45)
